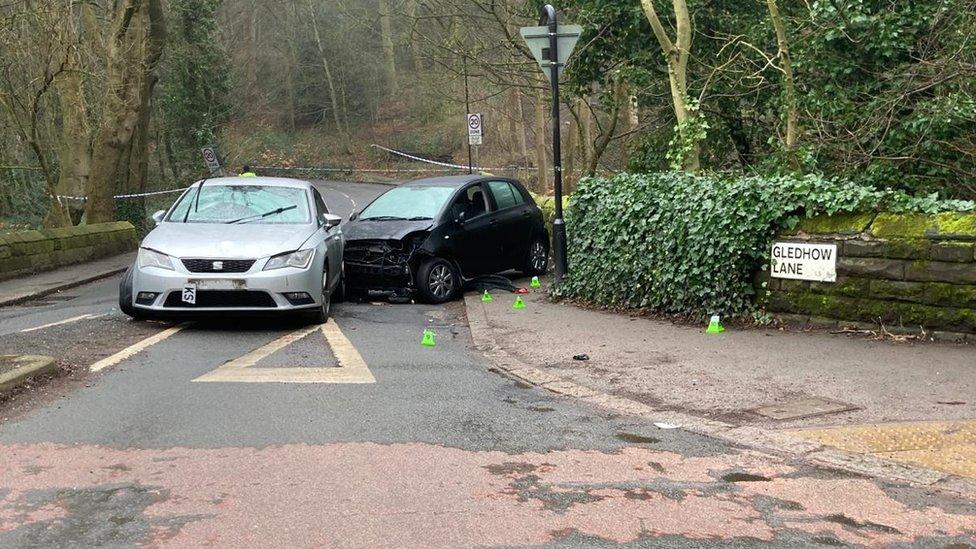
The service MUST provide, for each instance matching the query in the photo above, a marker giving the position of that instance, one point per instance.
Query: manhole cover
(802, 408)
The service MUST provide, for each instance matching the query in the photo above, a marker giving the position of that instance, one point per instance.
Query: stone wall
(26, 252)
(907, 272)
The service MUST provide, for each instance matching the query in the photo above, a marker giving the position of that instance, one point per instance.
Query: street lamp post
(548, 17)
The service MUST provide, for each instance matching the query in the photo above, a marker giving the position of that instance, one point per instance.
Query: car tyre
(437, 281)
(125, 296)
(321, 313)
(537, 258)
(339, 292)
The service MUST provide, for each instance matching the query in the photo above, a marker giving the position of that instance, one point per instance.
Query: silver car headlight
(299, 260)
(152, 258)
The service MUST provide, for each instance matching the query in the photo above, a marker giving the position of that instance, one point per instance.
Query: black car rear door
(514, 220)
(478, 246)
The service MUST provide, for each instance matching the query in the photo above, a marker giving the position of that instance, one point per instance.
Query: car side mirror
(459, 214)
(331, 220)
(353, 216)
(158, 216)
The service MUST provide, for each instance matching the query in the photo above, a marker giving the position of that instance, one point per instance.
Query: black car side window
(472, 202)
(504, 194)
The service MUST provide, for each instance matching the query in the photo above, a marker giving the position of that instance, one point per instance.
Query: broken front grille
(374, 252)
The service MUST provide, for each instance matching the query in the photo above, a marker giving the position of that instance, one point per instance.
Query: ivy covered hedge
(687, 244)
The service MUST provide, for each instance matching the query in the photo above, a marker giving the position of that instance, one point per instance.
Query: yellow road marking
(352, 368)
(60, 322)
(948, 446)
(136, 348)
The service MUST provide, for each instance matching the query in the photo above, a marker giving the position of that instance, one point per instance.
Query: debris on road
(581, 357)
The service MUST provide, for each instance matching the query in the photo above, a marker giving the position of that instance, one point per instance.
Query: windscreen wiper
(275, 211)
(196, 200)
(383, 218)
(419, 218)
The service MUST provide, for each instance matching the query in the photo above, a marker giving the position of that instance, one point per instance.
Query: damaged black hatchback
(426, 238)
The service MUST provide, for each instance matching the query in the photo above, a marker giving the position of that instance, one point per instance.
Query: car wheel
(125, 296)
(321, 314)
(537, 259)
(437, 281)
(339, 292)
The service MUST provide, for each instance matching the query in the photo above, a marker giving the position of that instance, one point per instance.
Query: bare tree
(676, 53)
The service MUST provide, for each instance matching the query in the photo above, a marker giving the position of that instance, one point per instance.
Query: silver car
(239, 245)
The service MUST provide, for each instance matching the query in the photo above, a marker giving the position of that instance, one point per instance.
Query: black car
(425, 238)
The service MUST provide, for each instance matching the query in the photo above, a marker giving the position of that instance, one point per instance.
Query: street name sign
(804, 261)
(537, 39)
(476, 131)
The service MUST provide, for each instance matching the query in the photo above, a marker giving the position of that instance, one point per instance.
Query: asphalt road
(391, 444)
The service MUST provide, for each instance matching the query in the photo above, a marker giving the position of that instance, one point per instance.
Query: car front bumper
(256, 291)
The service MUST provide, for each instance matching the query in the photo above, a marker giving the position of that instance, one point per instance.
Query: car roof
(444, 181)
(263, 181)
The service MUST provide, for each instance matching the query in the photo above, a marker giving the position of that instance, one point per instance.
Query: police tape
(445, 164)
(348, 170)
(123, 196)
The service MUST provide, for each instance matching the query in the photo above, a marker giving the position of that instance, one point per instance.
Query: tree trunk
(120, 111)
(333, 98)
(415, 52)
(389, 53)
(676, 53)
(74, 152)
(572, 144)
(586, 131)
(789, 88)
(250, 36)
(292, 68)
(523, 128)
(620, 97)
(542, 184)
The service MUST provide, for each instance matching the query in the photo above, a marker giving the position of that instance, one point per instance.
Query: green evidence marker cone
(715, 325)
(519, 304)
(428, 340)
(486, 297)
(535, 282)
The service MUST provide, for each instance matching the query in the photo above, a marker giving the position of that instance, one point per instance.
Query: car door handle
(526, 213)
(493, 221)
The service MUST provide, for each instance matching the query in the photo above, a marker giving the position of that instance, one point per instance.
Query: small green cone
(535, 282)
(715, 326)
(486, 297)
(428, 340)
(519, 304)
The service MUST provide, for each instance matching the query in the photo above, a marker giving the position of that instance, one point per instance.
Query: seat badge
(218, 265)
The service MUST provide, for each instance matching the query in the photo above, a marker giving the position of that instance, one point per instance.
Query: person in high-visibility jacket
(246, 172)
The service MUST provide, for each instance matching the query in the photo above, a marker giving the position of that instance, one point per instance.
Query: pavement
(352, 434)
(16, 290)
(904, 403)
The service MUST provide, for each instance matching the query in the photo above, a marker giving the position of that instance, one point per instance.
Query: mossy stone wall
(904, 271)
(26, 252)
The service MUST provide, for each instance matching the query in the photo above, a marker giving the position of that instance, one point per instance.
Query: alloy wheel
(441, 281)
(537, 255)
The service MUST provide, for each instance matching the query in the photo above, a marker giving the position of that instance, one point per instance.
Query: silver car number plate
(218, 283)
(190, 294)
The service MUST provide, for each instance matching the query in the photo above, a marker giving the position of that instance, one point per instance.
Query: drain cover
(803, 407)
